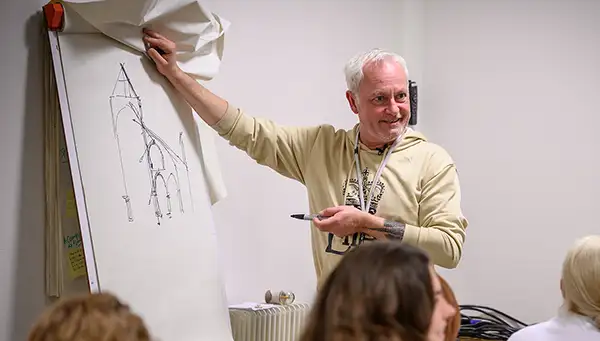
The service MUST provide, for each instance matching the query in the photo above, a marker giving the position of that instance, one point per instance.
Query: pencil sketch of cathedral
(163, 165)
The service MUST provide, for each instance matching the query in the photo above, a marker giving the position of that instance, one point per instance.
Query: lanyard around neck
(364, 206)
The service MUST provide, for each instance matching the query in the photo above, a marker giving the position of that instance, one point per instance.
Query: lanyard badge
(364, 206)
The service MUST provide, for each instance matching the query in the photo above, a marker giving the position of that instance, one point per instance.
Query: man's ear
(352, 102)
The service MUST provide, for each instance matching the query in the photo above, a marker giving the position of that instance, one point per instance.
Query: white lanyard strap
(365, 206)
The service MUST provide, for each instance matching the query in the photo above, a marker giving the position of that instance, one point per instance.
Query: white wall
(511, 90)
(21, 183)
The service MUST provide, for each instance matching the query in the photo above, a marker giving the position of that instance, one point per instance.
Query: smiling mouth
(392, 121)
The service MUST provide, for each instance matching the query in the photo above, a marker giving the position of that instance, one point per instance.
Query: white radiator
(280, 323)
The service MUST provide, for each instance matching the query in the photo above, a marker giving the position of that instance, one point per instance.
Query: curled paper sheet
(198, 33)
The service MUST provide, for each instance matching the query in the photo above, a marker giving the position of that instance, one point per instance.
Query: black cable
(498, 312)
(491, 317)
(485, 330)
(489, 324)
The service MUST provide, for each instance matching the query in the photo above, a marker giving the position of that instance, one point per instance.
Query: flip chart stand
(54, 13)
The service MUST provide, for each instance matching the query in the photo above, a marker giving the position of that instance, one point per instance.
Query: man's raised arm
(283, 149)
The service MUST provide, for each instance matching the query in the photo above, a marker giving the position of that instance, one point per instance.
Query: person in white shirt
(579, 316)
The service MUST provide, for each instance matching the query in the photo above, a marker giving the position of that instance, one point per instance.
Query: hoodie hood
(410, 138)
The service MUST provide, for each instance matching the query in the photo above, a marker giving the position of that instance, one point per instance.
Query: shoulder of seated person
(529, 332)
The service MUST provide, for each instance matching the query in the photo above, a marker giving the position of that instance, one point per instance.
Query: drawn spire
(123, 87)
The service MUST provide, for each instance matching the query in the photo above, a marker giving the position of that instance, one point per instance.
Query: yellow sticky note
(72, 241)
(76, 263)
(70, 205)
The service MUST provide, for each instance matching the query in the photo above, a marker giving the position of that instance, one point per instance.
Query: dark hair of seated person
(378, 291)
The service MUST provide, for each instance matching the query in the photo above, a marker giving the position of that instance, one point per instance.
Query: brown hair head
(92, 317)
(379, 291)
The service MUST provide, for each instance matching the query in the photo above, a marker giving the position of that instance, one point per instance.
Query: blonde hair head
(91, 317)
(581, 278)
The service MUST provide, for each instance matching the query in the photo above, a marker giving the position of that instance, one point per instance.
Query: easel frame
(54, 16)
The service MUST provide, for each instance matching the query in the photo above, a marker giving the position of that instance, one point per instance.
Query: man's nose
(393, 107)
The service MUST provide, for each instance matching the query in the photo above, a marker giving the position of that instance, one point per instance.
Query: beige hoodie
(419, 185)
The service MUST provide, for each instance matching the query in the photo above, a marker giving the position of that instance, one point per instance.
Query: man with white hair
(380, 179)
